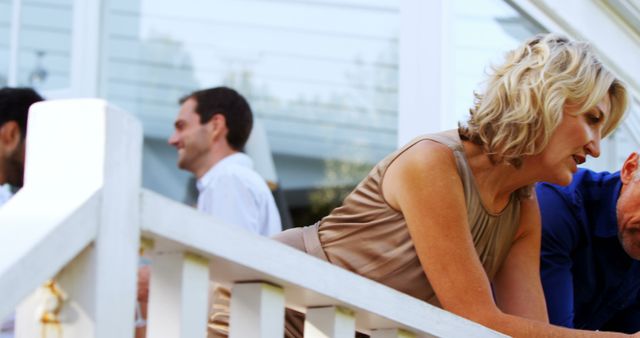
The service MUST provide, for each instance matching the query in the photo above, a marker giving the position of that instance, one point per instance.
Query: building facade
(337, 84)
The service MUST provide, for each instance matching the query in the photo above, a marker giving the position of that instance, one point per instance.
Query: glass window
(5, 38)
(320, 75)
(483, 31)
(45, 44)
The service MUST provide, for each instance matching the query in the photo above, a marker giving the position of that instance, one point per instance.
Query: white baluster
(329, 322)
(178, 296)
(257, 311)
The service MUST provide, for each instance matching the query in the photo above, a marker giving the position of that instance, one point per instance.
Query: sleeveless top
(367, 236)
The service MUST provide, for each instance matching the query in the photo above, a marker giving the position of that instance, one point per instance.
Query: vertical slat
(391, 333)
(178, 296)
(329, 322)
(257, 310)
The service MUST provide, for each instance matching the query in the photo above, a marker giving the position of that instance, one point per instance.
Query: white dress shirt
(234, 193)
(5, 194)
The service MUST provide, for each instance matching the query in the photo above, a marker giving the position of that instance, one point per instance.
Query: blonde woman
(452, 215)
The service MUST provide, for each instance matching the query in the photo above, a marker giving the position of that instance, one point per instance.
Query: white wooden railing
(79, 220)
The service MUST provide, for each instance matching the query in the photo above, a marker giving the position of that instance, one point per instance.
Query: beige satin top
(367, 236)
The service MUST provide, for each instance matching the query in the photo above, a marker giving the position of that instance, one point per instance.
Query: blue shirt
(589, 280)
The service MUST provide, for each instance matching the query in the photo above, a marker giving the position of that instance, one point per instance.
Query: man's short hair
(230, 104)
(14, 106)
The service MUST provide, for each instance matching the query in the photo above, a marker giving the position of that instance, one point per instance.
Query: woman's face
(577, 136)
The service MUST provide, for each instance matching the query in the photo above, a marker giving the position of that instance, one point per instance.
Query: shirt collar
(239, 159)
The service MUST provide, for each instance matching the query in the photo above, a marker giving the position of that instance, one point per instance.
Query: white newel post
(329, 322)
(178, 296)
(75, 146)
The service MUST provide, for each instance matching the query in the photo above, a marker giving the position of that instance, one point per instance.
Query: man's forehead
(186, 116)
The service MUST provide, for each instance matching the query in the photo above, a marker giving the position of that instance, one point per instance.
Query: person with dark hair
(211, 130)
(590, 257)
(14, 111)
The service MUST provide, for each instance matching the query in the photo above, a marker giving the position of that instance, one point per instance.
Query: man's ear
(10, 135)
(629, 168)
(219, 124)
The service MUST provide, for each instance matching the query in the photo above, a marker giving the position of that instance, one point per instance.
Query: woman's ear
(629, 168)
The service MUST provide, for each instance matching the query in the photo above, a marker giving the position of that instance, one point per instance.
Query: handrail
(307, 281)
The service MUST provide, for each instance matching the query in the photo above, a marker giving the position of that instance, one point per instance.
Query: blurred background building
(337, 84)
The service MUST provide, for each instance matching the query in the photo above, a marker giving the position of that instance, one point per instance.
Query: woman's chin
(563, 180)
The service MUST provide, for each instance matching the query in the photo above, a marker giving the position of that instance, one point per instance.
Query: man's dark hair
(14, 106)
(229, 103)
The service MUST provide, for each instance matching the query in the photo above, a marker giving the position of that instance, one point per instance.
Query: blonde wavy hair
(524, 98)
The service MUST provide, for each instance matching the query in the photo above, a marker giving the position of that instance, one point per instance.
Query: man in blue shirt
(590, 254)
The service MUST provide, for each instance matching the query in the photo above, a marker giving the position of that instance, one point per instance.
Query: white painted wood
(178, 296)
(118, 239)
(92, 146)
(16, 19)
(257, 310)
(39, 244)
(391, 333)
(424, 69)
(75, 320)
(307, 281)
(329, 322)
(87, 40)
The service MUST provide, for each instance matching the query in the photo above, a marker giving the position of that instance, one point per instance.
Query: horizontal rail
(40, 233)
(238, 255)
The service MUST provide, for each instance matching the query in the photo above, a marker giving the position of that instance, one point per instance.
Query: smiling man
(211, 130)
(590, 264)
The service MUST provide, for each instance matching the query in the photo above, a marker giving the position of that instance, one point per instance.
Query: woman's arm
(517, 286)
(423, 183)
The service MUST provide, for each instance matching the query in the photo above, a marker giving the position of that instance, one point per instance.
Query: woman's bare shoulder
(425, 155)
(426, 161)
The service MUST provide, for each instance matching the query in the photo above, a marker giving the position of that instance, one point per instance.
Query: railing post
(74, 146)
(178, 296)
(257, 310)
(329, 322)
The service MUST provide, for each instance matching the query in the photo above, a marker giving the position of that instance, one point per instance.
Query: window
(321, 75)
(5, 38)
(483, 32)
(44, 42)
